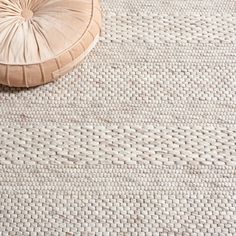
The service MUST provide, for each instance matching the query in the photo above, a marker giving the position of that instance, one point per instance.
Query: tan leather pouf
(41, 40)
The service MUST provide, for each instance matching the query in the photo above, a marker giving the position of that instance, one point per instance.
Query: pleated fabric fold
(41, 40)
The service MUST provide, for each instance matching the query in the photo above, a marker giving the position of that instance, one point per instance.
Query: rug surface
(138, 140)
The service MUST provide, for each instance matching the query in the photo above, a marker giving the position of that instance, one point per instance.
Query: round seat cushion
(41, 40)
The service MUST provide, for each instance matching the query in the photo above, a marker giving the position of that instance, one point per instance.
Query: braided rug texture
(138, 140)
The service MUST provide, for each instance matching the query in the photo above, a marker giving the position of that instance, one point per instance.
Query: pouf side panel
(3, 74)
(34, 75)
(15, 75)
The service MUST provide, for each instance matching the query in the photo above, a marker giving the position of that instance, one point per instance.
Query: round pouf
(40, 40)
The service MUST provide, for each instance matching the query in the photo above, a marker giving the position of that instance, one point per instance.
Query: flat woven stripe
(117, 179)
(138, 113)
(85, 145)
(177, 6)
(140, 139)
(181, 208)
(181, 54)
(156, 28)
(114, 200)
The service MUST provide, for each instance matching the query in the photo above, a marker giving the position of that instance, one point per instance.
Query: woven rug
(138, 140)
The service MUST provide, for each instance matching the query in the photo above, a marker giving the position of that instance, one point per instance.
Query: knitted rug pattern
(140, 139)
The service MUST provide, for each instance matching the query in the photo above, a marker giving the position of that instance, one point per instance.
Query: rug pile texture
(140, 139)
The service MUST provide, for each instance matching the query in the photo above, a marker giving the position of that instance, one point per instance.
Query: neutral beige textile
(138, 140)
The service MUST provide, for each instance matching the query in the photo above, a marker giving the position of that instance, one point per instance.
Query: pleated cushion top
(41, 40)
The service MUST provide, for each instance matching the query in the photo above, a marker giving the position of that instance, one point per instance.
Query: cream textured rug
(138, 140)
